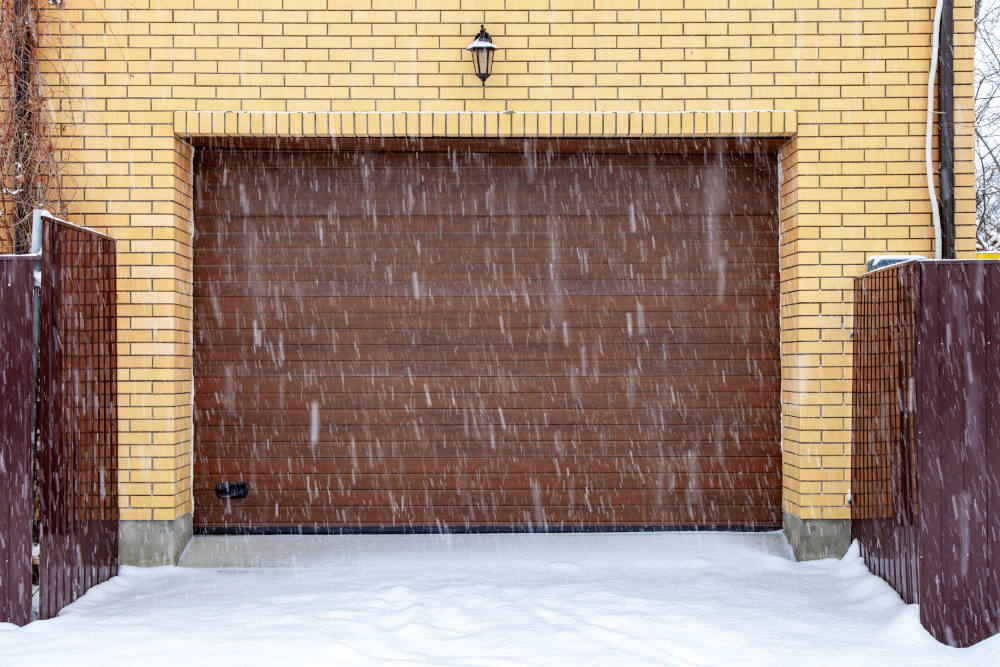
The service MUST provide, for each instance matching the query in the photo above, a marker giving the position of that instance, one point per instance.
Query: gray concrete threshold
(303, 551)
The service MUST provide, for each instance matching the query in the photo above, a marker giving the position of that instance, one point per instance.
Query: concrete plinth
(151, 543)
(812, 539)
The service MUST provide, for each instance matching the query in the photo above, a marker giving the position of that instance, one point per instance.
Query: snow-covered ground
(570, 599)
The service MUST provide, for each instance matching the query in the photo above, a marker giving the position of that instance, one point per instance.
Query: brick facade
(844, 82)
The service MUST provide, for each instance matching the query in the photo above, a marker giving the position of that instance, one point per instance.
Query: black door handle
(234, 490)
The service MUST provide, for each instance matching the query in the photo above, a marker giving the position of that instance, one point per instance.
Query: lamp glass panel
(483, 62)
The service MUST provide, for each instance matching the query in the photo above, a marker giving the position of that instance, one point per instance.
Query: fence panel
(884, 479)
(78, 437)
(926, 468)
(17, 379)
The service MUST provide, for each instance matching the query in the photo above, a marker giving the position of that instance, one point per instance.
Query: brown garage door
(542, 335)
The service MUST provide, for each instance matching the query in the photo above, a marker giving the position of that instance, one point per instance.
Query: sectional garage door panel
(530, 337)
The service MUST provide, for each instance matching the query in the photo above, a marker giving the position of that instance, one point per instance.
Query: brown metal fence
(925, 482)
(884, 480)
(78, 433)
(77, 445)
(17, 373)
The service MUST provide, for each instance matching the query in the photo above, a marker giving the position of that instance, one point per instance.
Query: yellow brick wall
(852, 72)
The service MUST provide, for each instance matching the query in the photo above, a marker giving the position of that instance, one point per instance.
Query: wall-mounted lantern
(482, 49)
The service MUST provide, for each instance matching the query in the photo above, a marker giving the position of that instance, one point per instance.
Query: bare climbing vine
(987, 99)
(29, 167)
